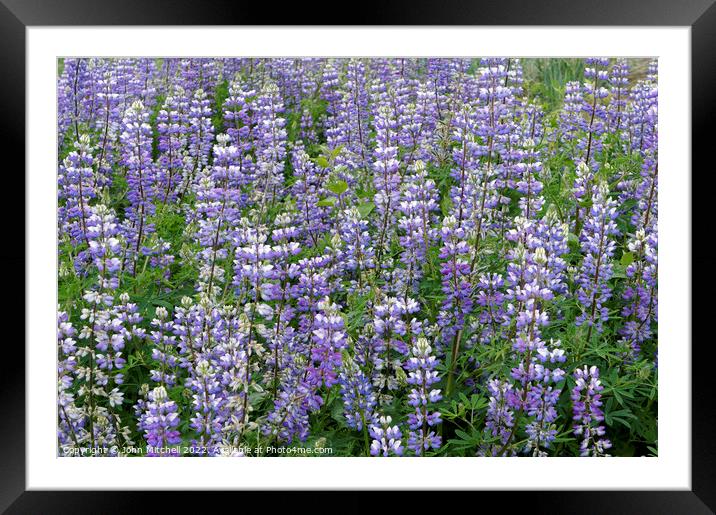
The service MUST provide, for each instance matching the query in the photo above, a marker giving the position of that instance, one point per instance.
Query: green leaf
(365, 209)
(321, 161)
(473, 438)
(336, 151)
(365, 194)
(462, 434)
(446, 205)
(573, 241)
(478, 402)
(619, 416)
(619, 271)
(627, 259)
(337, 187)
(326, 202)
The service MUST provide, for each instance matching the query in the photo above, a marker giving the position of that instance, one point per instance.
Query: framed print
(387, 257)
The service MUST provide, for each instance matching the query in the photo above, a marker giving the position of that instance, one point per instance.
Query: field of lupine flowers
(357, 257)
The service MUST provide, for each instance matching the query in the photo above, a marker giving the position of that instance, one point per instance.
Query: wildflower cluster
(390, 256)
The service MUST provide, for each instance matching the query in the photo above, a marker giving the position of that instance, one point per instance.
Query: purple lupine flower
(418, 203)
(645, 216)
(144, 182)
(427, 117)
(75, 186)
(412, 131)
(64, 106)
(252, 272)
(286, 74)
(108, 124)
(141, 179)
(594, 109)
(71, 430)
(329, 339)
(586, 406)
(104, 247)
(128, 313)
(551, 235)
(239, 119)
(110, 337)
(256, 279)
(457, 229)
(359, 401)
(533, 126)
(386, 438)
(172, 129)
(213, 349)
(455, 272)
(209, 73)
(571, 114)
(358, 111)
(532, 292)
(252, 263)
(270, 146)
(288, 420)
(422, 375)
(159, 419)
(307, 130)
(582, 190)
(280, 290)
(541, 432)
(183, 72)
(597, 242)
(74, 96)
(643, 117)
(386, 177)
(312, 287)
(208, 405)
(200, 136)
(591, 124)
(462, 194)
(102, 337)
(143, 81)
(297, 393)
(357, 254)
(310, 180)
(190, 322)
(216, 216)
(493, 125)
(532, 285)
(390, 329)
(500, 418)
(528, 183)
(349, 166)
(438, 74)
(330, 93)
(131, 81)
(619, 84)
(230, 355)
(160, 259)
(490, 298)
(640, 294)
(162, 353)
(238, 112)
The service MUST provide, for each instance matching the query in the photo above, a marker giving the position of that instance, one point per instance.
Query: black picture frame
(17, 15)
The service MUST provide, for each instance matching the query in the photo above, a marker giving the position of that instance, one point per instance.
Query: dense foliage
(358, 257)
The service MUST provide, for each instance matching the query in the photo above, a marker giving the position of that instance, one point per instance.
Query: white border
(670, 470)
